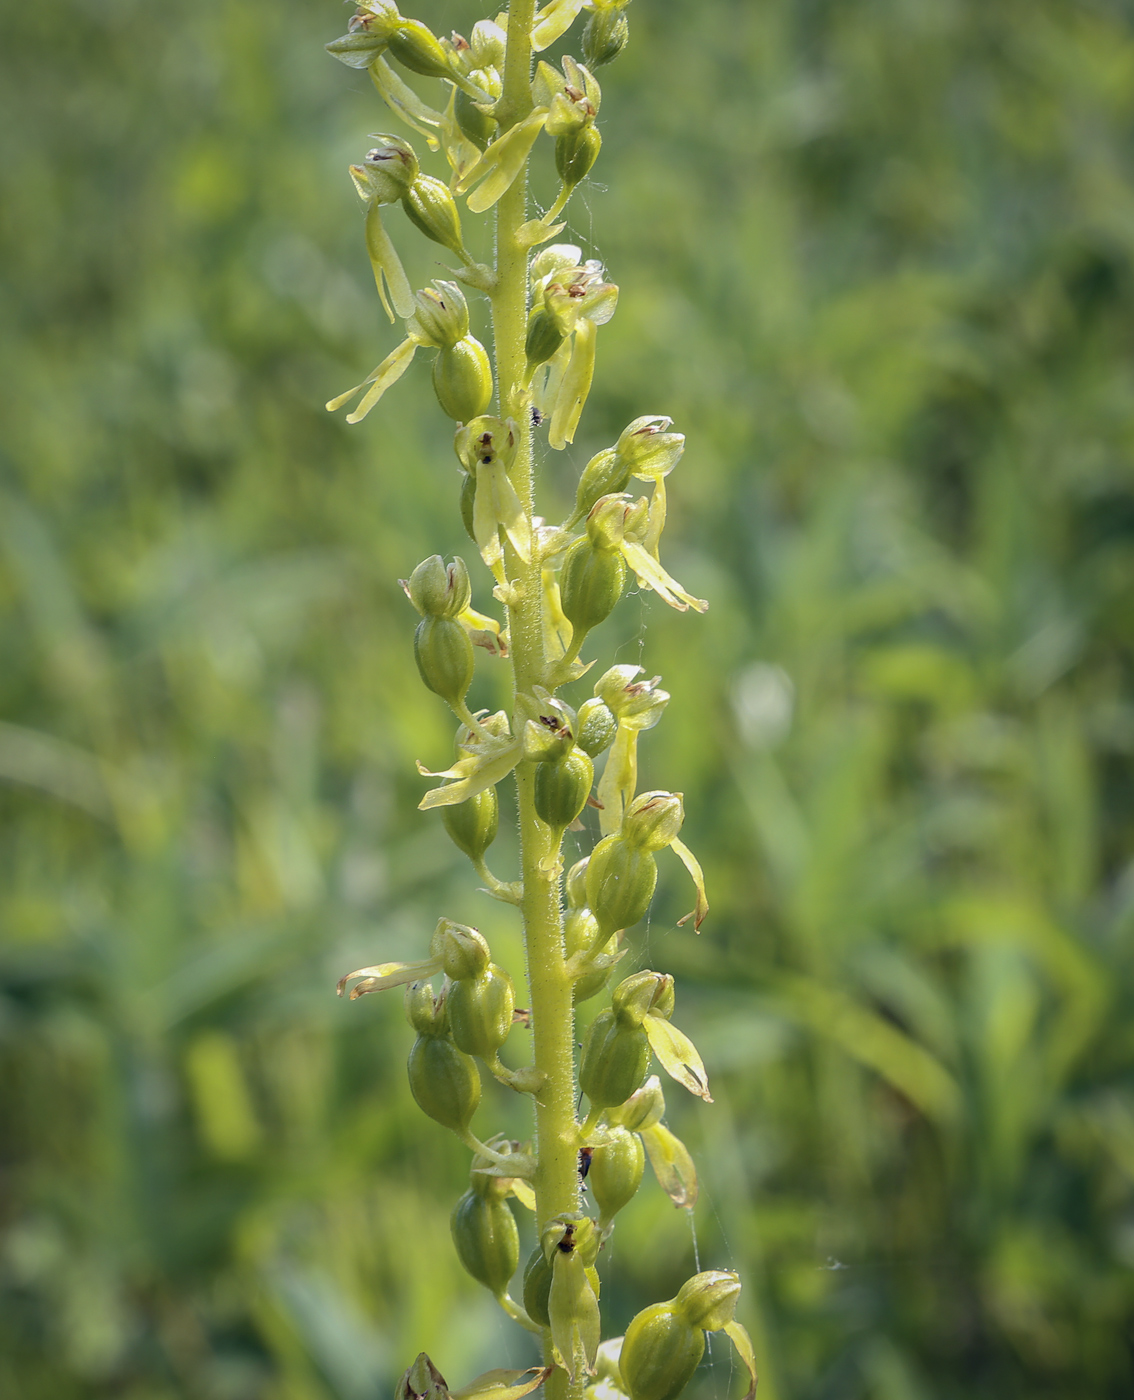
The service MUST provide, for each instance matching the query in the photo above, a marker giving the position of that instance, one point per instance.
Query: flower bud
(617, 1164)
(462, 379)
(590, 584)
(620, 883)
(649, 448)
(488, 1243)
(537, 1287)
(480, 1012)
(422, 1381)
(464, 953)
(445, 1082)
(425, 1012)
(387, 172)
(575, 154)
(644, 1108)
(653, 820)
(430, 204)
(472, 824)
(607, 473)
(575, 884)
(417, 48)
(614, 1063)
(597, 727)
(437, 590)
(641, 995)
(605, 35)
(441, 314)
(708, 1300)
(444, 656)
(562, 787)
(659, 1354)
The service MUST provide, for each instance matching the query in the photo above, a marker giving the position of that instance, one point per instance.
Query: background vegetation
(877, 262)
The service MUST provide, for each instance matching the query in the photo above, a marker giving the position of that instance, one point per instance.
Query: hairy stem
(553, 1023)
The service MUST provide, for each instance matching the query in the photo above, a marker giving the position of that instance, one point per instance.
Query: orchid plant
(555, 585)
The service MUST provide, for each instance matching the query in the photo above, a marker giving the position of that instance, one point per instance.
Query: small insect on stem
(585, 1155)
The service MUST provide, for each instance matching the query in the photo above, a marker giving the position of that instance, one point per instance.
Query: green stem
(553, 1023)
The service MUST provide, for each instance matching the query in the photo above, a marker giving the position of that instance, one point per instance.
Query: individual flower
(625, 524)
(487, 756)
(577, 300)
(486, 448)
(636, 705)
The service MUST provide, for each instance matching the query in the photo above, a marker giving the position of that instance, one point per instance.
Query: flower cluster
(556, 584)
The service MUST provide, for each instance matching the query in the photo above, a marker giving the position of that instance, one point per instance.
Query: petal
(486, 527)
(557, 630)
(575, 385)
(553, 21)
(574, 1312)
(393, 974)
(650, 574)
(655, 520)
(743, 1344)
(501, 163)
(402, 99)
(693, 865)
(672, 1164)
(619, 780)
(678, 1056)
(523, 1193)
(508, 510)
(503, 1385)
(600, 303)
(386, 264)
(487, 771)
(388, 372)
(484, 632)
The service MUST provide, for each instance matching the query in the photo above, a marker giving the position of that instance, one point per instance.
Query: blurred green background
(876, 260)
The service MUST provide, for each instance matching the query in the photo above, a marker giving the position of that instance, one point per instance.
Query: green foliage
(883, 280)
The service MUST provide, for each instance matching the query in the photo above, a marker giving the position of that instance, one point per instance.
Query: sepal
(378, 381)
(673, 1166)
(437, 589)
(553, 21)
